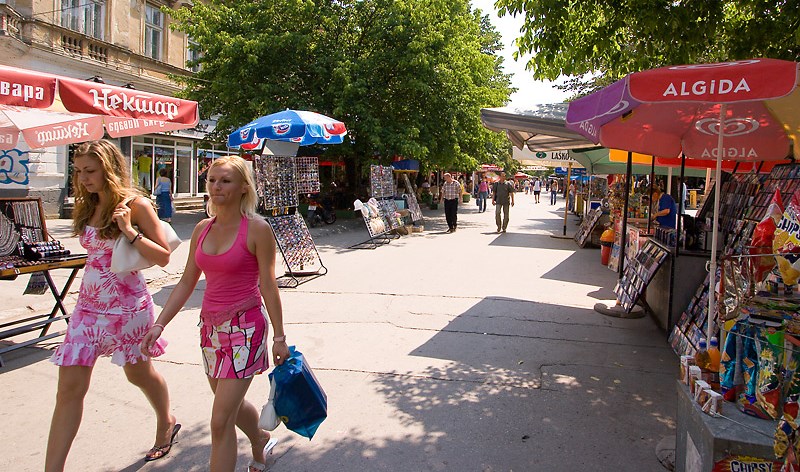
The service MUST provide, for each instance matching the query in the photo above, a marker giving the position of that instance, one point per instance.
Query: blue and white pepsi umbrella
(301, 127)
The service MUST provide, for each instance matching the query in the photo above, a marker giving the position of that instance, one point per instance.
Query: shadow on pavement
(23, 357)
(575, 269)
(191, 452)
(538, 241)
(514, 369)
(194, 302)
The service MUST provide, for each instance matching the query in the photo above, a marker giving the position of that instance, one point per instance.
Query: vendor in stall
(666, 210)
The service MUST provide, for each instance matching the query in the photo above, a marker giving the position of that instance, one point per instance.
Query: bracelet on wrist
(138, 236)
(156, 325)
(279, 339)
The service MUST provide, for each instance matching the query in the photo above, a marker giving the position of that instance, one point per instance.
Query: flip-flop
(157, 452)
(267, 451)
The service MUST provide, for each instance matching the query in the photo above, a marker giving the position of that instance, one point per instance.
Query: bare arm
(261, 239)
(153, 245)
(180, 294)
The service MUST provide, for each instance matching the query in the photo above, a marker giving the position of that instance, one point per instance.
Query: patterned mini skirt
(237, 348)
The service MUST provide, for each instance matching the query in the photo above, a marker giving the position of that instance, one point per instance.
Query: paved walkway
(471, 351)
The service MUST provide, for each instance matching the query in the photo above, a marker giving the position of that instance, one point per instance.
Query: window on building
(193, 54)
(84, 16)
(153, 31)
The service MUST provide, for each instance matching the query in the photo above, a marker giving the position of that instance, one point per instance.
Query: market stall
(755, 312)
(281, 177)
(27, 248)
(380, 212)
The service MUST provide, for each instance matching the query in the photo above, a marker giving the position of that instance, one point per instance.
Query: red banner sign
(726, 82)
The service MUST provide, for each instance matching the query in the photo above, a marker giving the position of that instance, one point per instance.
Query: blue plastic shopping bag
(300, 402)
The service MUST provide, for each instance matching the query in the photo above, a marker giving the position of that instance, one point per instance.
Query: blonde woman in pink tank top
(235, 249)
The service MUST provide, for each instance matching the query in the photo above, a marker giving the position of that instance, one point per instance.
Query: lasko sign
(554, 155)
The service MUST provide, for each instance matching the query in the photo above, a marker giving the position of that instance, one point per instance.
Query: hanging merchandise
(381, 181)
(307, 174)
(278, 179)
(300, 255)
(375, 223)
(276, 182)
(388, 211)
(413, 204)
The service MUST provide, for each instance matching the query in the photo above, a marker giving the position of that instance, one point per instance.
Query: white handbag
(126, 258)
(268, 419)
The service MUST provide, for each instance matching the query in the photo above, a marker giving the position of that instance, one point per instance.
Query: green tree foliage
(610, 39)
(407, 77)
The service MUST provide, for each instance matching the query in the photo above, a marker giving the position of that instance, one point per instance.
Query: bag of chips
(763, 237)
(787, 242)
(731, 381)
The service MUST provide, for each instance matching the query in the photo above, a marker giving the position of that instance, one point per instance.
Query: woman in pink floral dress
(113, 311)
(235, 249)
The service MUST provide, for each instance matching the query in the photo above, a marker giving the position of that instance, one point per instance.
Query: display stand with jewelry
(413, 204)
(279, 179)
(26, 248)
(380, 212)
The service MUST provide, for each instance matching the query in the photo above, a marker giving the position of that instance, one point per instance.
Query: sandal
(157, 452)
(258, 466)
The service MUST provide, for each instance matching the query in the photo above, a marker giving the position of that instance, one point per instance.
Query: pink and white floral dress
(113, 312)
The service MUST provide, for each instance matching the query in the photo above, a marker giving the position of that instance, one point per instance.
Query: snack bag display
(769, 344)
(787, 242)
(762, 362)
(791, 388)
(730, 373)
(763, 237)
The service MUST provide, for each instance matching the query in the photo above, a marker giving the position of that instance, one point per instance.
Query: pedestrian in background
(554, 192)
(113, 311)
(163, 193)
(483, 194)
(571, 196)
(451, 194)
(143, 164)
(537, 189)
(502, 197)
(235, 249)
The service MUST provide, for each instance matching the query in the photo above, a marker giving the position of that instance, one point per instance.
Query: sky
(530, 91)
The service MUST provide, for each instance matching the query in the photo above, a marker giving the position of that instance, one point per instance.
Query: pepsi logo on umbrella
(296, 126)
(281, 128)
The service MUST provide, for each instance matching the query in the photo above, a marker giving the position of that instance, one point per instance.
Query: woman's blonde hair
(117, 187)
(249, 198)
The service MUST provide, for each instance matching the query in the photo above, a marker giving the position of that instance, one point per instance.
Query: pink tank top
(231, 278)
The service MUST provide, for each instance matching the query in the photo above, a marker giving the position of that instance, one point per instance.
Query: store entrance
(151, 155)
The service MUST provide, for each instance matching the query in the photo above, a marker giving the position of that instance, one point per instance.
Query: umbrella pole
(681, 209)
(650, 193)
(624, 236)
(566, 208)
(712, 276)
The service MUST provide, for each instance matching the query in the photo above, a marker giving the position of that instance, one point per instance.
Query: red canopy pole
(712, 275)
(566, 208)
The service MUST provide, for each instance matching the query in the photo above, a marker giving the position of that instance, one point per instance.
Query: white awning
(541, 128)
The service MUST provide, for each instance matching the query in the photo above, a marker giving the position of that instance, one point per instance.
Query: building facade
(124, 43)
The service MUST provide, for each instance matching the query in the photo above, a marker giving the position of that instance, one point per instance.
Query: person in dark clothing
(502, 198)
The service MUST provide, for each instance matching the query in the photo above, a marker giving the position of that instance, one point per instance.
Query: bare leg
(144, 375)
(246, 419)
(73, 383)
